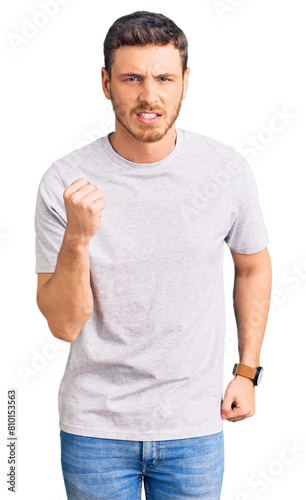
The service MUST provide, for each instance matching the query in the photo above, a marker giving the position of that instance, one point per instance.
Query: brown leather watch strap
(246, 371)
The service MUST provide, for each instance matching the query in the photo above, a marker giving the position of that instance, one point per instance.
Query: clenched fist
(84, 204)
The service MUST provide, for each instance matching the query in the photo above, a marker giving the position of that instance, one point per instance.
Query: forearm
(251, 300)
(66, 299)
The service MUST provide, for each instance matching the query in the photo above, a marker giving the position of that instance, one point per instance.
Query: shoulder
(207, 143)
(217, 155)
(78, 163)
(79, 156)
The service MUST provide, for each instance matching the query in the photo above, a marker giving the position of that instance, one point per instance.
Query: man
(130, 231)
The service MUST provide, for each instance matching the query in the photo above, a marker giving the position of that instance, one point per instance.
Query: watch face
(259, 374)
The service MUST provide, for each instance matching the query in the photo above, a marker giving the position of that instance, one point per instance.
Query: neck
(142, 152)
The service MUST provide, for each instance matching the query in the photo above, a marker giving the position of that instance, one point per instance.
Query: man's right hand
(84, 204)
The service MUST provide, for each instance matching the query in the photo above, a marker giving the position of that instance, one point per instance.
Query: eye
(165, 79)
(130, 79)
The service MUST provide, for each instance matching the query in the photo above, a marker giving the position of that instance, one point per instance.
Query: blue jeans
(112, 469)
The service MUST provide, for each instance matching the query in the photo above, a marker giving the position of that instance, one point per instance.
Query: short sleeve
(49, 220)
(247, 232)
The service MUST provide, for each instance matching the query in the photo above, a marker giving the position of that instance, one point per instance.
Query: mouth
(148, 118)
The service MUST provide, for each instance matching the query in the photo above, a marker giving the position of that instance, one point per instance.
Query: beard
(140, 131)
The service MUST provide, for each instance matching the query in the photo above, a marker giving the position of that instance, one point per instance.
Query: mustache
(148, 110)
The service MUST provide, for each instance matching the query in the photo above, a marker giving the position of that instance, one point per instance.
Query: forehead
(143, 59)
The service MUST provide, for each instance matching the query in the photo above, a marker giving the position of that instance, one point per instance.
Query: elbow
(66, 329)
(69, 330)
(65, 335)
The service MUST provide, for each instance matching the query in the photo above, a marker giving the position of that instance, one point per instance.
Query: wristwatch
(247, 371)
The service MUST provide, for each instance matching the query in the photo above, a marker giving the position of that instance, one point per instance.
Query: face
(146, 80)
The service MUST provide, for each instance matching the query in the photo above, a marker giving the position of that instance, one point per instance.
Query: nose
(148, 93)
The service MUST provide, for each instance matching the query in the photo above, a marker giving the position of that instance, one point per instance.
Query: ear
(185, 81)
(105, 82)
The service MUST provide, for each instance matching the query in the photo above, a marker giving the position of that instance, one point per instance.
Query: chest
(182, 223)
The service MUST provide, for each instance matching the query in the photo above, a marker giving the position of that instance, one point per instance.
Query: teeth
(147, 115)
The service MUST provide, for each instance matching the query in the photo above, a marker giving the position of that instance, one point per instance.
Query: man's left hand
(239, 399)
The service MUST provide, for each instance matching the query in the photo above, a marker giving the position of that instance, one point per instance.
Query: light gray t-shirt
(148, 364)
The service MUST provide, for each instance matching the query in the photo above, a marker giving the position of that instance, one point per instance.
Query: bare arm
(251, 300)
(65, 299)
(65, 296)
(252, 290)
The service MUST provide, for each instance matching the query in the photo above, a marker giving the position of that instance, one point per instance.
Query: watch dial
(260, 374)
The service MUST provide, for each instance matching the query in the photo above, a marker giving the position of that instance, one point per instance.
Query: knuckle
(73, 199)
(90, 207)
(97, 190)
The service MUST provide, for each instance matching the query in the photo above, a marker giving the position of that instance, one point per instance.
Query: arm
(65, 297)
(251, 300)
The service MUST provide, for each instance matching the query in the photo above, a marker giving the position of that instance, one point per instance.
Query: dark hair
(144, 28)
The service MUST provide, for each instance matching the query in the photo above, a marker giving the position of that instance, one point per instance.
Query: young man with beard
(130, 231)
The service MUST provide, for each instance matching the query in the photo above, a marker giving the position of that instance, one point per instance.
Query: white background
(247, 66)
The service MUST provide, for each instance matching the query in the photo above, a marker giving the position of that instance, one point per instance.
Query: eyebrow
(162, 75)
